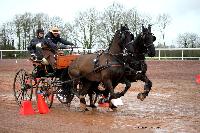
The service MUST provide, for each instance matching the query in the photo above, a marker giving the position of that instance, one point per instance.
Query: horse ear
(126, 26)
(154, 38)
(149, 28)
(142, 28)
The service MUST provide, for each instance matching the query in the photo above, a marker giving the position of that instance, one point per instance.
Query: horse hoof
(92, 106)
(86, 109)
(141, 96)
(113, 107)
(83, 108)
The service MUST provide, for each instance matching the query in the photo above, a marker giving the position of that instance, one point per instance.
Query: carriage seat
(63, 61)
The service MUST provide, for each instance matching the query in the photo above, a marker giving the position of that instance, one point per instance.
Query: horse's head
(144, 42)
(121, 40)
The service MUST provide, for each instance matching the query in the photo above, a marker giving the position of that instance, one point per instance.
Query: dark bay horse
(135, 68)
(110, 68)
(142, 45)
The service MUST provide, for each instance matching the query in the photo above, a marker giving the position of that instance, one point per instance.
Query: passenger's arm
(65, 42)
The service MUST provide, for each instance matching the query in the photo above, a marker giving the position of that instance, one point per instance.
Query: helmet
(55, 30)
(39, 31)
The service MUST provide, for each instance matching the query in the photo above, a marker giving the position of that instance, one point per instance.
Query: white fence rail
(184, 53)
(161, 53)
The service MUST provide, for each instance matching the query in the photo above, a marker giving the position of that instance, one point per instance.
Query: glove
(33, 57)
(33, 54)
(44, 61)
(63, 46)
(39, 45)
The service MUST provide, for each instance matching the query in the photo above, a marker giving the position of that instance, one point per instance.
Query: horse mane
(137, 39)
(113, 39)
(138, 36)
(123, 28)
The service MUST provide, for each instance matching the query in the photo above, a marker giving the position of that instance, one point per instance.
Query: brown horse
(110, 68)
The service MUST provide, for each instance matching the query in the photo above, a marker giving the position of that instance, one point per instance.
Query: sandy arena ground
(173, 105)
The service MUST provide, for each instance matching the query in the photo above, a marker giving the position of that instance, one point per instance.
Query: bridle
(143, 36)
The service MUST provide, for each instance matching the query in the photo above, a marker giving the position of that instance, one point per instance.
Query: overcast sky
(185, 13)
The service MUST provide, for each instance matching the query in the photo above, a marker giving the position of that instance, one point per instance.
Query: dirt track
(172, 106)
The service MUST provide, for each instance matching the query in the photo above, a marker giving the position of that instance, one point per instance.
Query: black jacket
(32, 46)
(57, 39)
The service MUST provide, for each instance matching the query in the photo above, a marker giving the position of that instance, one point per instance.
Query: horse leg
(109, 86)
(113, 96)
(82, 93)
(128, 85)
(92, 99)
(147, 88)
(90, 94)
(93, 93)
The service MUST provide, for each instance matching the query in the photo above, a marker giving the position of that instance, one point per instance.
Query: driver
(42, 49)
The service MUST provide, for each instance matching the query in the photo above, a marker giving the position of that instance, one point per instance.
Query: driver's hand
(63, 46)
(71, 44)
(39, 45)
(33, 56)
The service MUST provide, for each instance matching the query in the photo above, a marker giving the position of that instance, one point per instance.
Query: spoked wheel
(64, 94)
(22, 86)
(63, 90)
(44, 87)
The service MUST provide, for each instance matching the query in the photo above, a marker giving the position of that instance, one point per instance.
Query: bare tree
(163, 20)
(110, 21)
(193, 38)
(18, 25)
(3, 35)
(26, 29)
(90, 28)
(40, 20)
(87, 28)
(114, 16)
(188, 40)
(7, 35)
(135, 20)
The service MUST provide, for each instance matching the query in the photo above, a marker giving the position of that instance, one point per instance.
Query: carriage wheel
(22, 86)
(63, 91)
(64, 94)
(44, 87)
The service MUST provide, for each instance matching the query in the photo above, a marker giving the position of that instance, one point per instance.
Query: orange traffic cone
(103, 104)
(42, 106)
(198, 79)
(26, 108)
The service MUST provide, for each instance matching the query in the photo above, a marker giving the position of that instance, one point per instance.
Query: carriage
(82, 74)
(44, 80)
